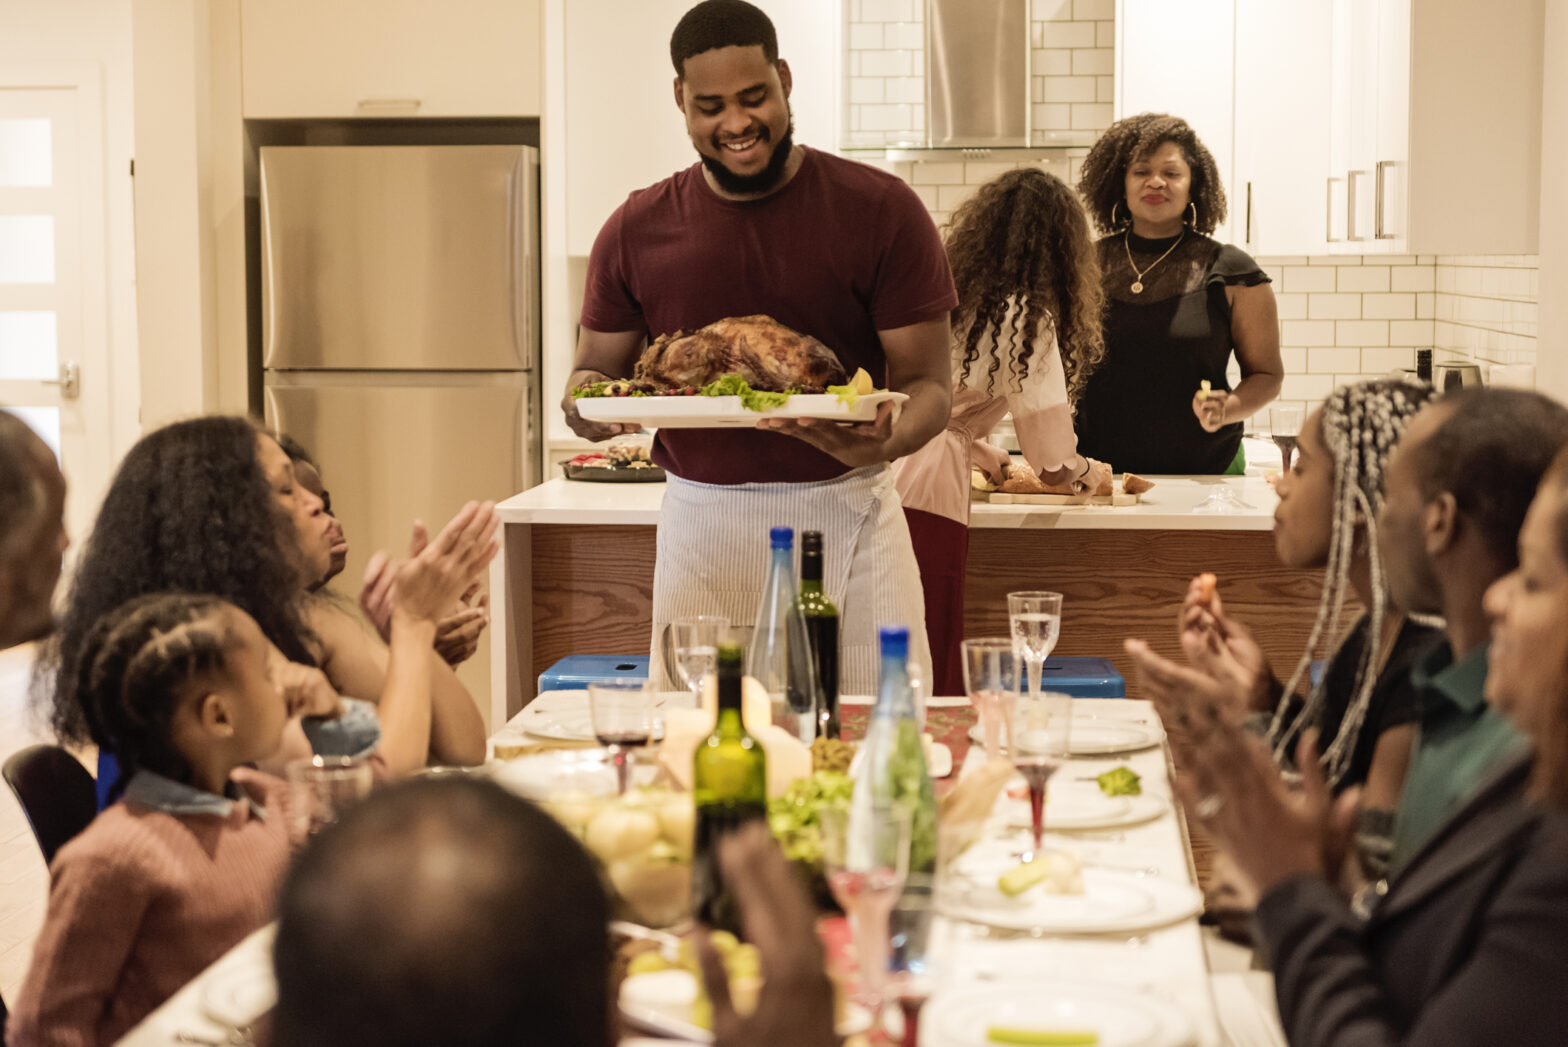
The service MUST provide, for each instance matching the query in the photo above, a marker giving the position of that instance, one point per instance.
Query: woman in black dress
(1178, 305)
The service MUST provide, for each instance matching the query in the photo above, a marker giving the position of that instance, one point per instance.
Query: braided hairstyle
(1021, 244)
(1361, 425)
(133, 665)
(1103, 180)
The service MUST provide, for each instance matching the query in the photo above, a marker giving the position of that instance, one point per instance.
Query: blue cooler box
(577, 671)
(1082, 678)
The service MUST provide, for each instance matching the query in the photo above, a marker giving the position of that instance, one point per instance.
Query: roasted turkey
(761, 350)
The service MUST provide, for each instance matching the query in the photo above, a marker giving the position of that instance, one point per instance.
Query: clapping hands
(438, 581)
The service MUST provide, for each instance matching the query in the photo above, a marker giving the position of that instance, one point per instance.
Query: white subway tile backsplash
(948, 197)
(1395, 259)
(927, 194)
(1094, 62)
(865, 36)
(886, 63)
(1389, 307)
(1311, 388)
(1068, 34)
(1069, 89)
(1381, 361)
(1334, 306)
(886, 118)
(1054, 61)
(1294, 359)
(888, 11)
(867, 90)
(1105, 88)
(1094, 9)
(1414, 278)
(1307, 278)
(1331, 361)
(1053, 117)
(1091, 116)
(1362, 278)
(1105, 34)
(1413, 333)
(1334, 259)
(1307, 332)
(1035, 31)
(1051, 10)
(942, 172)
(1361, 332)
(910, 89)
(910, 36)
(1425, 305)
(1291, 306)
(978, 172)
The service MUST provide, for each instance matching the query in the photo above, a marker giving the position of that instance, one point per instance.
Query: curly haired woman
(1180, 304)
(1026, 335)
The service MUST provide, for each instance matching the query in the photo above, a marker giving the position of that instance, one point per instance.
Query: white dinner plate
(1101, 736)
(1072, 809)
(240, 991)
(727, 412)
(539, 776)
(1112, 901)
(565, 716)
(660, 1002)
(1119, 1015)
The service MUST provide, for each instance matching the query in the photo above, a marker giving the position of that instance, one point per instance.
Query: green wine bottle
(729, 788)
(821, 629)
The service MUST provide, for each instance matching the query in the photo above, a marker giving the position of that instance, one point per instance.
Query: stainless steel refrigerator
(400, 330)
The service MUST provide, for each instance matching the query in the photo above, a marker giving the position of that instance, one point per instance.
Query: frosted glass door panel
(29, 344)
(26, 249)
(25, 153)
(45, 421)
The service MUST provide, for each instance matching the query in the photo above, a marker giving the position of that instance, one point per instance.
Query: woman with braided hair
(1363, 705)
(1026, 337)
(1179, 305)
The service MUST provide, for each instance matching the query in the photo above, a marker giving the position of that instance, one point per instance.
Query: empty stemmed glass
(1036, 621)
(696, 642)
(991, 681)
(865, 855)
(622, 712)
(1040, 741)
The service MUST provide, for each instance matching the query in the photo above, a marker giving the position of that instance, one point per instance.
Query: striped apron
(713, 555)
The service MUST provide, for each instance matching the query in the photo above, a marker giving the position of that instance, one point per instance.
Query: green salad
(795, 817)
(758, 400)
(1120, 781)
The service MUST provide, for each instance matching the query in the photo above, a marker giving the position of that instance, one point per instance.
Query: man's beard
(765, 180)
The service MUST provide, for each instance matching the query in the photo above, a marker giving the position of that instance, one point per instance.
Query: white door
(53, 333)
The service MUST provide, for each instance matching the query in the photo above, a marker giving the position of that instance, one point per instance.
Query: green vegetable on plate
(1042, 1037)
(1120, 781)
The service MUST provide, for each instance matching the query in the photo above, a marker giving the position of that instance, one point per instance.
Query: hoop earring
(1114, 223)
(1194, 209)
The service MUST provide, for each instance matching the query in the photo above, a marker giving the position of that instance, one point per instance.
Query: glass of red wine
(1040, 741)
(1285, 429)
(622, 712)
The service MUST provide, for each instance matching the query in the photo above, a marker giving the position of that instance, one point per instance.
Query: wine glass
(1036, 620)
(697, 649)
(918, 948)
(1285, 429)
(991, 681)
(1038, 745)
(865, 855)
(321, 788)
(622, 713)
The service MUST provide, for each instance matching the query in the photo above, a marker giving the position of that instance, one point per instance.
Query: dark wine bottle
(729, 788)
(821, 629)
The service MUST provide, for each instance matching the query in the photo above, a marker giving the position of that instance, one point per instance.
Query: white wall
(1552, 348)
(99, 32)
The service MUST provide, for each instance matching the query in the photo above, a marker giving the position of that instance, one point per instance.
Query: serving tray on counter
(727, 412)
(611, 475)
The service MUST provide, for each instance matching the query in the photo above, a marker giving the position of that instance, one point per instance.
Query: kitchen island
(575, 574)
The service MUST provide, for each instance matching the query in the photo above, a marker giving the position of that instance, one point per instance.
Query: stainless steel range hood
(977, 74)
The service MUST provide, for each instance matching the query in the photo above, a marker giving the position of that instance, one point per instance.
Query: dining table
(1156, 971)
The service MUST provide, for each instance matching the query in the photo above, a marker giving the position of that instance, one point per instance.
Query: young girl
(188, 691)
(1026, 335)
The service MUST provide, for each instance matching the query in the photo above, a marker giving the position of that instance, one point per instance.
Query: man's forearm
(924, 414)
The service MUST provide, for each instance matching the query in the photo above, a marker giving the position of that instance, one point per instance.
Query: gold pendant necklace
(1137, 284)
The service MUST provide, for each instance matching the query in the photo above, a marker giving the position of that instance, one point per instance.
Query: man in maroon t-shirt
(836, 249)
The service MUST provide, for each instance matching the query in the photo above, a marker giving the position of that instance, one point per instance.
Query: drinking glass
(697, 649)
(991, 681)
(1038, 745)
(866, 859)
(321, 788)
(622, 712)
(919, 945)
(1285, 429)
(1036, 620)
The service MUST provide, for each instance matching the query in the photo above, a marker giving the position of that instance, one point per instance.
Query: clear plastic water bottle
(780, 653)
(893, 768)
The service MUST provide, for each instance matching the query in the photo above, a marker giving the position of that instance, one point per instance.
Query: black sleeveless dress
(1135, 412)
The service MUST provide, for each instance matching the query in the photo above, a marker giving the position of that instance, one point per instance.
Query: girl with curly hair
(1026, 337)
(210, 506)
(1180, 304)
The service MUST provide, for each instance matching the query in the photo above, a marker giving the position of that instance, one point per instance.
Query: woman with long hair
(1026, 336)
(1180, 305)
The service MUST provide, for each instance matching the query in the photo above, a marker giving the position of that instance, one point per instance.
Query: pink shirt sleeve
(1042, 417)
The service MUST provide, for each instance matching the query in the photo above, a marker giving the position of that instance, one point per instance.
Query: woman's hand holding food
(1095, 476)
(1273, 833)
(438, 571)
(1214, 408)
(1223, 648)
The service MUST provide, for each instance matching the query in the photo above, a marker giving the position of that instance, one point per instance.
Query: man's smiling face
(736, 105)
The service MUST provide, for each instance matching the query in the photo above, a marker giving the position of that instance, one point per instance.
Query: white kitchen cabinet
(1252, 79)
(391, 58)
(1435, 137)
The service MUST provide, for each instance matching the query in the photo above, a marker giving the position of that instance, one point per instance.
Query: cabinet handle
(401, 103)
(1350, 204)
(1248, 238)
(1328, 213)
(1377, 205)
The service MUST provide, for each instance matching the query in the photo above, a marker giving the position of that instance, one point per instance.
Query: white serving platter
(726, 412)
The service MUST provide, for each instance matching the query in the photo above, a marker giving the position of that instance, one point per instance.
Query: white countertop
(1167, 507)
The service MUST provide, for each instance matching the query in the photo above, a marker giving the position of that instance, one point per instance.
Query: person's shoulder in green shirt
(1461, 743)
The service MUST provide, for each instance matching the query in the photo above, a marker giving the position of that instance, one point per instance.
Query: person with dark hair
(1180, 305)
(457, 634)
(1026, 337)
(1468, 942)
(501, 934)
(210, 506)
(32, 532)
(832, 248)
